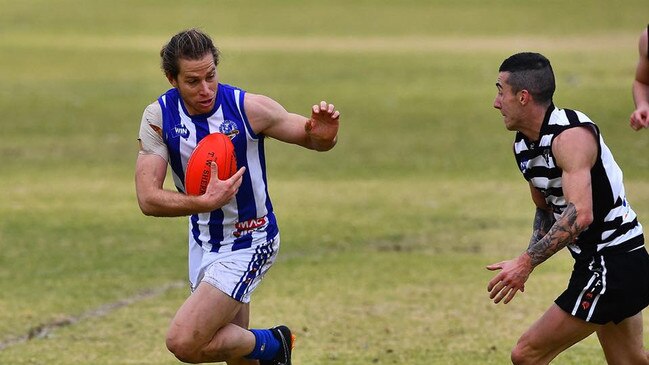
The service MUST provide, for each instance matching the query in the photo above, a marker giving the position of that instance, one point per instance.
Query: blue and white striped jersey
(249, 216)
(615, 225)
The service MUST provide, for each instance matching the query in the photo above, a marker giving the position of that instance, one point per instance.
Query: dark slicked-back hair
(532, 72)
(190, 44)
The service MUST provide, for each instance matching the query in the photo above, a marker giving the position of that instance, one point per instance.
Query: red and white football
(214, 147)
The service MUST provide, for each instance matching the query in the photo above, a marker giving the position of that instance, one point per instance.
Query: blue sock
(266, 345)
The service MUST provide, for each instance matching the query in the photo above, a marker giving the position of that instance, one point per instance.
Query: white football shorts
(237, 273)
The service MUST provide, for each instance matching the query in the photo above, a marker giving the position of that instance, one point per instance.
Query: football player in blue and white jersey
(233, 234)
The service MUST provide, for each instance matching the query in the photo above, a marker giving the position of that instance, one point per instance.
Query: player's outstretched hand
(324, 122)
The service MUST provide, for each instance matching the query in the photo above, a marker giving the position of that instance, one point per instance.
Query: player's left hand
(510, 280)
(323, 125)
(640, 118)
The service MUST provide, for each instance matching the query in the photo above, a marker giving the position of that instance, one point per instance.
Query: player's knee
(182, 348)
(517, 356)
(522, 354)
(187, 350)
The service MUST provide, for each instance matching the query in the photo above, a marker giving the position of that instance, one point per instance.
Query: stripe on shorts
(589, 296)
(259, 259)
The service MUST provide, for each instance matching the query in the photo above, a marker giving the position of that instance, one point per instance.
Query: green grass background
(384, 238)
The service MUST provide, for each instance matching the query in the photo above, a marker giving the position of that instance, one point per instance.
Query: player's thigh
(554, 332)
(623, 342)
(205, 311)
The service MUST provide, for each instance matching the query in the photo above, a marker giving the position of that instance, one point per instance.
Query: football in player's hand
(215, 147)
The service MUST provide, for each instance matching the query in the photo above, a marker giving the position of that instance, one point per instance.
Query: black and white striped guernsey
(615, 226)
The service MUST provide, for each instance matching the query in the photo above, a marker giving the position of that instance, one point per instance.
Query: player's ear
(172, 80)
(524, 97)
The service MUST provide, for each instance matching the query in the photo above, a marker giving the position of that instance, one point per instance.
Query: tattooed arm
(562, 233)
(543, 219)
(575, 151)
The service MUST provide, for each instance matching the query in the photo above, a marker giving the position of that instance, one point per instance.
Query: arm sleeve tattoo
(562, 233)
(543, 221)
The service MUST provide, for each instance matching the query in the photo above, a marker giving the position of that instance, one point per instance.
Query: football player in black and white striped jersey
(581, 204)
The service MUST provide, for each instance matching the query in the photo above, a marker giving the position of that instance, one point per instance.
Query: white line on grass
(362, 44)
(43, 330)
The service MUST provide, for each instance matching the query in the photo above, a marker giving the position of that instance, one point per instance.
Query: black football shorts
(608, 287)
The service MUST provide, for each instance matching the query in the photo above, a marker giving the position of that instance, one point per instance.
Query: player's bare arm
(575, 151)
(515, 272)
(640, 116)
(543, 221)
(543, 218)
(268, 117)
(561, 234)
(154, 200)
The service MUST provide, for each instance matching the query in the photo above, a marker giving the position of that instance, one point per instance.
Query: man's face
(507, 101)
(197, 84)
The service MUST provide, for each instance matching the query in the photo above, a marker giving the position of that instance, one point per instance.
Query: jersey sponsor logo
(179, 130)
(229, 128)
(249, 226)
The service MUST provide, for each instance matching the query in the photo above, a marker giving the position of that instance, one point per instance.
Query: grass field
(384, 239)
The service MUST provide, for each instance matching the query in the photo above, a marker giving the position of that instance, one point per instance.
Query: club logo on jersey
(229, 128)
(179, 130)
(523, 165)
